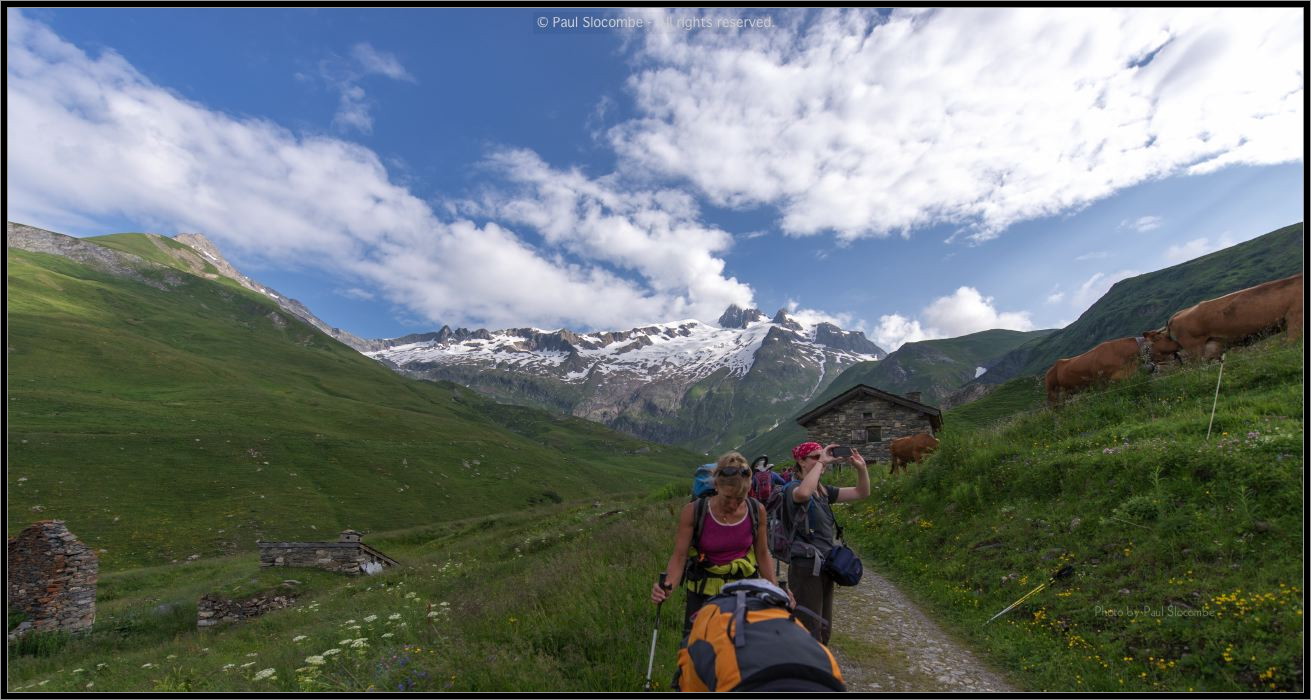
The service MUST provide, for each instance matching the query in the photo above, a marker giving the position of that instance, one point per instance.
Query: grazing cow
(911, 448)
(1207, 328)
(1110, 361)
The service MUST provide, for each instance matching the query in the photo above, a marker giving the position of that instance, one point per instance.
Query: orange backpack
(748, 639)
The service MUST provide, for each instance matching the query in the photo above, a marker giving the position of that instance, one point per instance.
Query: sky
(912, 174)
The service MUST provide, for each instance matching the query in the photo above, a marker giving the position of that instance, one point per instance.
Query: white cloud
(1055, 297)
(91, 138)
(655, 233)
(1143, 224)
(963, 312)
(1196, 248)
(1095, 255)
(895, 330)
(344, 75)
(869, 124)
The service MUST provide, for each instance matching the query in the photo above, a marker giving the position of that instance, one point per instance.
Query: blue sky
(911, 174)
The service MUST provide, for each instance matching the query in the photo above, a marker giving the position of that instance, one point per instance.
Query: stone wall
(349, 556)
(52, 578)
(213, 609)
(893, 421)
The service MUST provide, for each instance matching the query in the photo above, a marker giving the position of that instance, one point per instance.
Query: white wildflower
(394, 616)
(248, 664)
(371, 618)
(253, 653)
(332, 651)
(147, 665)
(78, 670)
(314, 660)
(387, 634)
(298, 637)
(266, 673)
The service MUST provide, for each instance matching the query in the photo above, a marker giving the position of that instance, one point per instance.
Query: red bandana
(800, 451)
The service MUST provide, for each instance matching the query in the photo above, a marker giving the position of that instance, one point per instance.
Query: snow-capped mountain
(684, 382)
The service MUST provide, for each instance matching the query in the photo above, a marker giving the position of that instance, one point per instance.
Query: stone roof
(864, 390)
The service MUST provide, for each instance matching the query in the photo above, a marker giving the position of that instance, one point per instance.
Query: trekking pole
(1217, 396)
(1063, 573)
(650, 662)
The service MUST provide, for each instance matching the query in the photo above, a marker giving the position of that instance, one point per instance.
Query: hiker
(763, 479)
(729, 544)
(808, 513)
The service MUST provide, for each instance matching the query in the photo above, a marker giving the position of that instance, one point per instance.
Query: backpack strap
(698, 517)
(740, 620)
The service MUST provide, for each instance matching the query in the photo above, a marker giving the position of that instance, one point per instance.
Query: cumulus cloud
(963, 312)
(90, 138)
(1196, 248)
(869, 123)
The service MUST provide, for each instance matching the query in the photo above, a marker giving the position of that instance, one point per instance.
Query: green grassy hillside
(196, 419)
(936, 368)
(1147, 301)
(1188, 553)
(550, 598)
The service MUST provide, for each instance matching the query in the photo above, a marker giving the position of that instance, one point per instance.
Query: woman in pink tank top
(729, 548)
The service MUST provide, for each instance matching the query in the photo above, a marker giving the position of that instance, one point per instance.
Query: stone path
(884, 643)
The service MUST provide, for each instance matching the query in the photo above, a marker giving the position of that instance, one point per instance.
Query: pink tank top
(724, 543)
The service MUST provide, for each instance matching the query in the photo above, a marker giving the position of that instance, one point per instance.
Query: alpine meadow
(625, 350)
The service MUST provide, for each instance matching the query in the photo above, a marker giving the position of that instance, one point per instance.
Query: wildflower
(371, 618)
(387, 634)
(253, 653)
(266, 673)
(314, 660)
(433, 614)
(360, 643)
(332, 651)
(147, 665)
(345, 641)
(227, 666)
(101, 665)
(90, 684)
(394, 616)
(298, 637)
(78, 670)
(248, 664)
(171, 656)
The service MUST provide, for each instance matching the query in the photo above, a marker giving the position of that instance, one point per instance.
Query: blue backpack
(703, 484)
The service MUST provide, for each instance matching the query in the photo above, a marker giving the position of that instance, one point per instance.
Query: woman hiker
(733, 545)
(807, 504)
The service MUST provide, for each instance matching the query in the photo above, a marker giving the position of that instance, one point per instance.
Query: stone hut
(868, 419)
(52, 578)
(348, 555)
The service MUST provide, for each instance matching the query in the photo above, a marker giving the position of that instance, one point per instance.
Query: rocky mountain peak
(737, 317)
(783, 319)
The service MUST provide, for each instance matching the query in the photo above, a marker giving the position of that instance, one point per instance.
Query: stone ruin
(212, 608)
(348, 555)
(52, 578)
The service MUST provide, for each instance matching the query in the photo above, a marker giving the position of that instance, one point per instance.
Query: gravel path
(884, 643)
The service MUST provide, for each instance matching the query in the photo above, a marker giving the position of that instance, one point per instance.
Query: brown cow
(911, 448)
(1110, 361)
(1208, 328)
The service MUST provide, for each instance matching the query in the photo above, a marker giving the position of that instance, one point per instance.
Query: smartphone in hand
(841, 451)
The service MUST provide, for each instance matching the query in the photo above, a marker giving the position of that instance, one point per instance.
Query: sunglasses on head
(732, 472)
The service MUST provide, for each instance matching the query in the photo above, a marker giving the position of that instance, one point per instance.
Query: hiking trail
(884, 643)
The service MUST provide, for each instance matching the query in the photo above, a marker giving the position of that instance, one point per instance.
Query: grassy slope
(198, 420)
(1147, 301)
(934, 367)
(1188, 552)
(549, 598)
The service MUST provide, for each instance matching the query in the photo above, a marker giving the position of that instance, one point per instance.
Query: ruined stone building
(348, 555)
(52, 579)
(868, 419)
